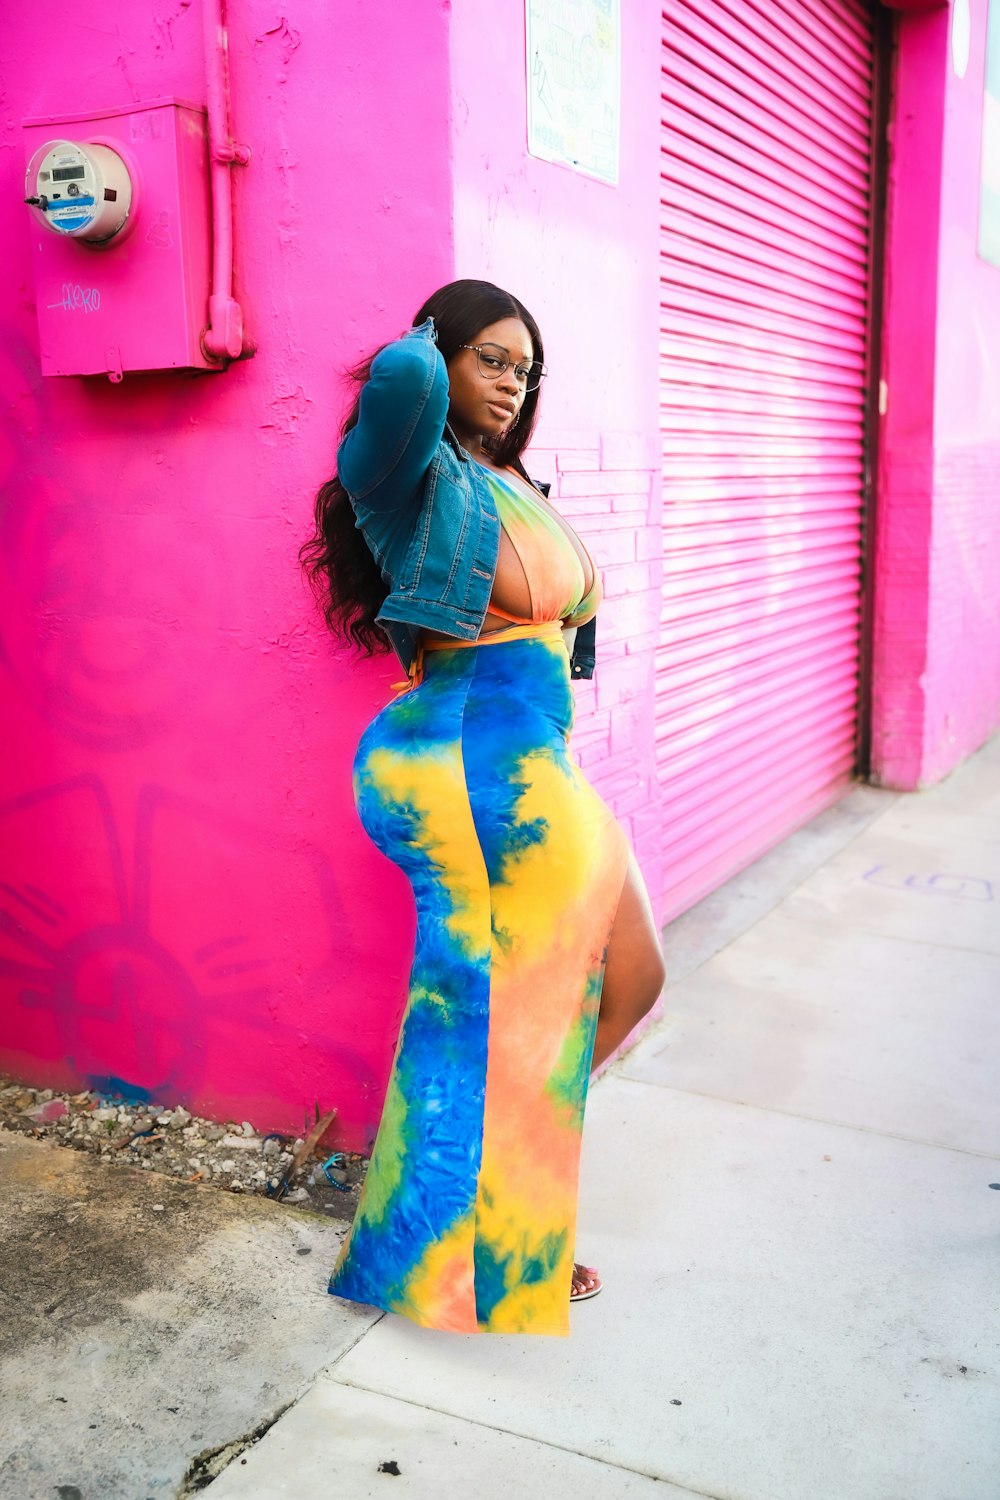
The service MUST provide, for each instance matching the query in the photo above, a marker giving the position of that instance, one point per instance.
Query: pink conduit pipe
(223, 338)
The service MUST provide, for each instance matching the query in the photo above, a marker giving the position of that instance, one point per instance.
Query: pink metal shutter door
(765, 197)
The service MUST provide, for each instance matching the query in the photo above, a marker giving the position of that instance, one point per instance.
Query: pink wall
(963, 664)
(905, 486)
(188, 904)
(936, 665)
(585, 258)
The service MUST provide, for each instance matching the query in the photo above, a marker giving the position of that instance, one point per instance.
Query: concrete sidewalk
(150, 1327)
(791, 1189)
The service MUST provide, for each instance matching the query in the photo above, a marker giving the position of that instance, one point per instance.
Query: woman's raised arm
(401, 417)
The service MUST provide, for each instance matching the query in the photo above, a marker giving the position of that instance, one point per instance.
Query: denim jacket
(423, 504)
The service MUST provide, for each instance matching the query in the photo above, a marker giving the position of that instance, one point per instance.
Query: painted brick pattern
(899, 636)
(936, 639)
(963, 656)
(608, 486)
(936, 679)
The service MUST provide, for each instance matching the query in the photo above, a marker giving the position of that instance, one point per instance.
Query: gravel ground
(234, 1156)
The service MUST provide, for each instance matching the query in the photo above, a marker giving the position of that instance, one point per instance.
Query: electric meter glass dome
(83, 191)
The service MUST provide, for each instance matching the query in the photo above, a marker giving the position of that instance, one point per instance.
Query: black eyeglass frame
(501, 353)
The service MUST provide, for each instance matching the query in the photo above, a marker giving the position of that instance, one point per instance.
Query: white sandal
(589, 1274)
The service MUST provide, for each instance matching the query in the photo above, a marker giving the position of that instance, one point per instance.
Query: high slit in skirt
(467, 1217)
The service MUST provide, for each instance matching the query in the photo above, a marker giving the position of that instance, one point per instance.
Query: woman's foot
(586, 1283)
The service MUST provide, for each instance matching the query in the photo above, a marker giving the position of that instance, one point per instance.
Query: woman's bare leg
(633, 979)
(634, 973)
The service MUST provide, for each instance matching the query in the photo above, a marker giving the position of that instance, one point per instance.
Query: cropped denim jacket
(422, 503)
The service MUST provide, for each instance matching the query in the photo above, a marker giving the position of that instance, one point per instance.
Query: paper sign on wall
(574, 84)
(989, 191)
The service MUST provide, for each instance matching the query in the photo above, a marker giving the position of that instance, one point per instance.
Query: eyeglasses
(494, 360)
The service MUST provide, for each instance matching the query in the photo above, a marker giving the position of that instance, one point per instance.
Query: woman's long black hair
(347, 580)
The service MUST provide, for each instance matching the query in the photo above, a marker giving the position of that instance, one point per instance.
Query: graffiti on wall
(167, 927)
(145, 973)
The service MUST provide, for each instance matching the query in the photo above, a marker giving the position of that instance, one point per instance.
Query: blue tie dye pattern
(475, 729)
(440, 1067)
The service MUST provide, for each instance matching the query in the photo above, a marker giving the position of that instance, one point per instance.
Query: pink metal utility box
(119, 216)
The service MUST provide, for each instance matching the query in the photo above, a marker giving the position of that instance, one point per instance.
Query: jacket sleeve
(581, 663)
(401, 417)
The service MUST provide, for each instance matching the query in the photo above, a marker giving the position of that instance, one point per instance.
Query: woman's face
(484, 404)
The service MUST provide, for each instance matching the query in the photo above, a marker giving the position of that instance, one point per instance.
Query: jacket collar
(449, 433)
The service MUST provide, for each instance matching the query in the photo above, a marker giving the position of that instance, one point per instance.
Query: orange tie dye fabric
(467, 1217)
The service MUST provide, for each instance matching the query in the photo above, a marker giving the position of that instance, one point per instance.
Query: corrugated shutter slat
(765, 190)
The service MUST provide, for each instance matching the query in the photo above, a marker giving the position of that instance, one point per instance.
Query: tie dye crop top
(557, 583)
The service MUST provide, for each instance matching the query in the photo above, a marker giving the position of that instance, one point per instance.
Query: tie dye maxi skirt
(467, 1217)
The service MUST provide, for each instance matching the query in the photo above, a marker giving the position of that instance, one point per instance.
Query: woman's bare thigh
(634, 972)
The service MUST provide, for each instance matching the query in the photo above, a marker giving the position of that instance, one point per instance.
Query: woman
(536, 950)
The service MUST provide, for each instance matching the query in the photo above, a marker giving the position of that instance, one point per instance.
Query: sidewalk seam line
(326, 1369)
(790, 1114)
(523, 1437)
(899, 938)
(823, 923)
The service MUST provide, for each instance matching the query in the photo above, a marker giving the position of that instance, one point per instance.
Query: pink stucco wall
(188, 904)
(963, 663)
(936, 647)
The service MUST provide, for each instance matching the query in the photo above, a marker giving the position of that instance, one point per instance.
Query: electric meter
(120, 237)
(81, 191)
